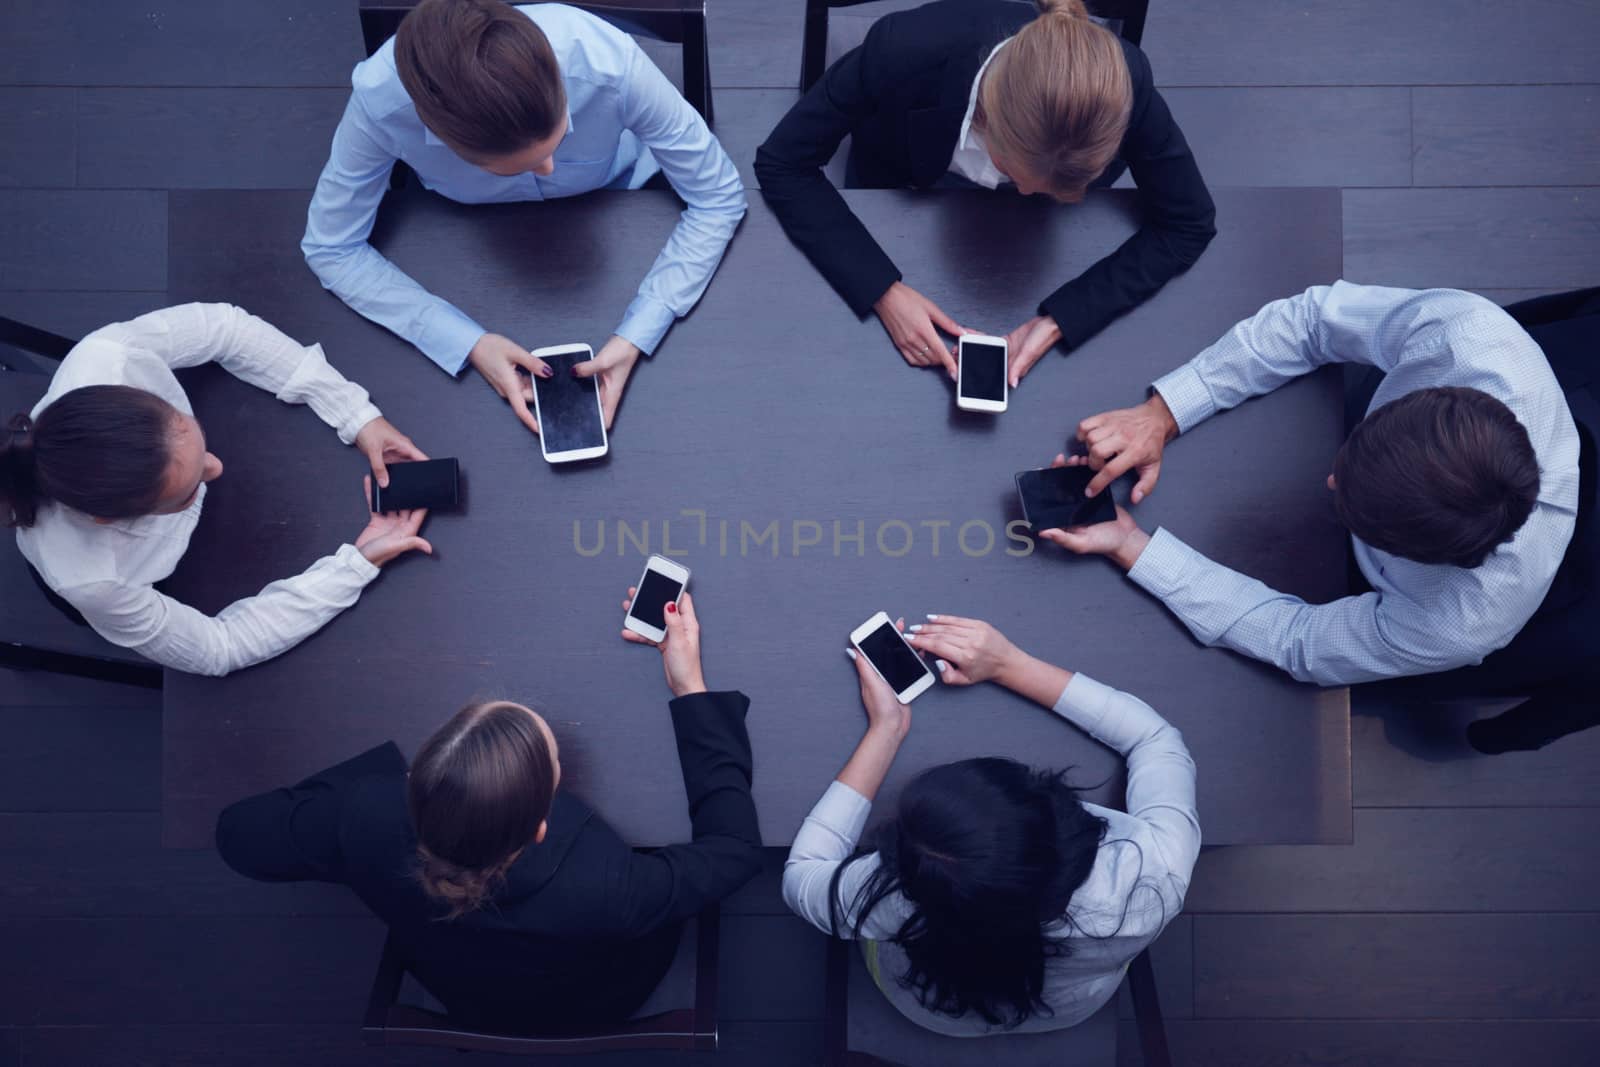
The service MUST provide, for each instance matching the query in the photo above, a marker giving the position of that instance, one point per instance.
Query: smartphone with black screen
(896, 662)
(571, 423)
(432, 483)
(1053, 498)
(981, 367)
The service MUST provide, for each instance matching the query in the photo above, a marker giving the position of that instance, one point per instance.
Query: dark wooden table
(770, 404)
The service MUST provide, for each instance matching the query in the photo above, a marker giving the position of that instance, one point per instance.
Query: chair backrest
(19, 336)
(680, 22)
(660, 1024)
(1125, 18)
(864, 1030)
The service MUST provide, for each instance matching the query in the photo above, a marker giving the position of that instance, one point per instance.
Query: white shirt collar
(971, 159)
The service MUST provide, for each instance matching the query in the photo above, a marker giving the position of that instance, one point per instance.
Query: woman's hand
(382, 444)
(968, 650)
(885, 713)
(913, 323)
(1028, 343)
(391, 534)
(680, 649)
(501, 361)
(613, 363)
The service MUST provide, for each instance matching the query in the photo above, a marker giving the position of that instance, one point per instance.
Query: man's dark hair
(481, 74)
(1441, 475)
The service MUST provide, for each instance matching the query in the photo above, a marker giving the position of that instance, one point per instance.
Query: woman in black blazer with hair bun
(988, 93)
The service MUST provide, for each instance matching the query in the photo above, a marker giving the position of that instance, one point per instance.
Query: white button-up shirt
(625, 122)
(107, 570)
(1420, 617)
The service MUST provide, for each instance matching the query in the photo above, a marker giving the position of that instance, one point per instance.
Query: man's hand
(1120, 540)
(382, 444)
(913, 323)
(613, 363)
(391, 534)
(502, 362)
(1124, 440)
(1028, 343)
(680, 649)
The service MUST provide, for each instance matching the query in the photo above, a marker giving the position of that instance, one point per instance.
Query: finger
(1146, 483)
(942, 646)
(1109, 473)
(686, 608)
(1022, 363)
(1060, 460)
(1093, 422)
(948, 360)
(520, 406)
(366, 492)
(627, 606)
(1076, 461)
(532, 364)
(638, 639)
(943, 321)
(952, 675)
(404, 447)
(380, 470)
(416, 544)
(632, 590)
(900, 624)
(674, 617)
(957, 622)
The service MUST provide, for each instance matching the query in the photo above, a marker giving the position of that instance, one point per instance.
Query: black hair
(988, 852)
(101, 449)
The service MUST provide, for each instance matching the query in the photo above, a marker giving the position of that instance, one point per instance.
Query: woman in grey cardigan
(994, 899)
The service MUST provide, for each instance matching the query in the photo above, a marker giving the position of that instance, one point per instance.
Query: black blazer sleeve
(667, 885)
(1178, 221)
(292, 834)
(789, 168)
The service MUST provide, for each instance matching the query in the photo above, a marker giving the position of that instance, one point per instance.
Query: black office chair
(1125, 18)
(862, 1029)
(38, 630)
(680, 1014)
(680, 22)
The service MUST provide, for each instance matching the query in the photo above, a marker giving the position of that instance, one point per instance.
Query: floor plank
(108, 864)
(1172, 959)
(1297, 136)
(1373, 1043)
(1373, 42)
(10, 1048)
(1399, 763)
(205, 138)
(87, 758)
(180, 42)
(45, 690)
(745, 117)
(83, 239)
(770, 1044)
(755, 44)
(187, 970)
(1402, 966)
(1465, 238)
(76, 313)
(1414, 860)
(1507, 134)
(41, 120)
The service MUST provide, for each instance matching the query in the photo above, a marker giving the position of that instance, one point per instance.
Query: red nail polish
(672, 609)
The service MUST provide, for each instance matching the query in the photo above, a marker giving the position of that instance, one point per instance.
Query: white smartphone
(982, 372)
(895, 661)
(572, 425)
(661, 584)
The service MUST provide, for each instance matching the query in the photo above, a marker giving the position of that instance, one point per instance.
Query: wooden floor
(1461, 927)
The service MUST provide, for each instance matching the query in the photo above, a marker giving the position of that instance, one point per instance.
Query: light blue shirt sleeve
(338, 225)
(693, 161)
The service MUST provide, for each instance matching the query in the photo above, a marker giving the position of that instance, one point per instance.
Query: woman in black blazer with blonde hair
(988, 93)
(510, 899)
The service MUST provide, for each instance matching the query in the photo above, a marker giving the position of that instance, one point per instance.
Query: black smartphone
(1053, 498)
(433, 484)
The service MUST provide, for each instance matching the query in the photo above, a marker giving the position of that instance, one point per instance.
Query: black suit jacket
(901, 96)
(583, 928)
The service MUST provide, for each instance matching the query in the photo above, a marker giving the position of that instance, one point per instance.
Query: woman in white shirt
(994, 899)
(106, 476)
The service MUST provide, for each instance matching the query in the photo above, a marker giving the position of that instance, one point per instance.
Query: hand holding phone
(572, 422)
(661, 584)
(680, 648)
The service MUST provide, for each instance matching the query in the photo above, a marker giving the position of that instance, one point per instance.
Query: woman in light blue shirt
(487, 103)
(994, 899)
